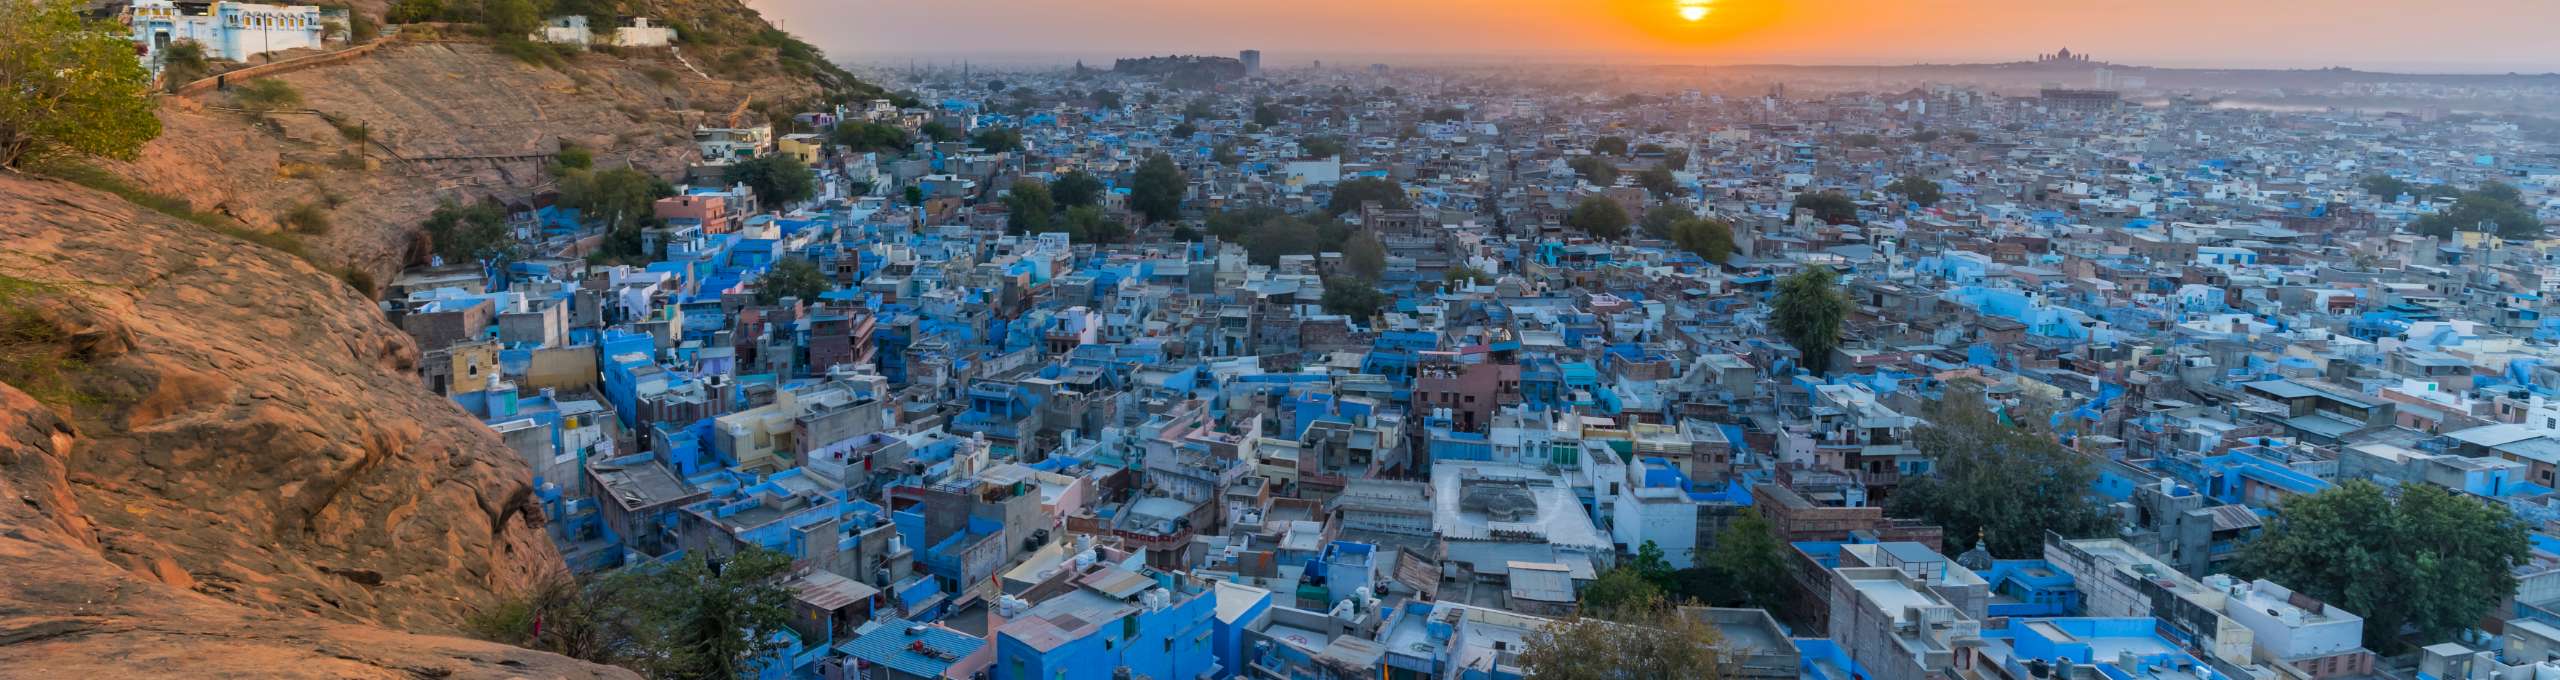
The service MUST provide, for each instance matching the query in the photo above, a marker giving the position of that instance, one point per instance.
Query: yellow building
(804, 146)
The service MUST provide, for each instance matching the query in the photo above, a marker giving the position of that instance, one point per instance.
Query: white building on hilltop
(228, 30)
(571, 29)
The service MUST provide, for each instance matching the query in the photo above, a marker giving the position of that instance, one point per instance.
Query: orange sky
(2444, 35)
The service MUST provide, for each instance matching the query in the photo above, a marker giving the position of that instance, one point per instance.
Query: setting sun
(1694, 10)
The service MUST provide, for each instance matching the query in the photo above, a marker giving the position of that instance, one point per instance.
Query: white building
(572, 29)
(228, 30)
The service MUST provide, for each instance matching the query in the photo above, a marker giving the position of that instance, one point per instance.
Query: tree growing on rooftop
(1156, 190)
(1350, 194)
(1600, 217)
(1807, 312)
(1647, 639)
(1998, 474)
(2432, 560)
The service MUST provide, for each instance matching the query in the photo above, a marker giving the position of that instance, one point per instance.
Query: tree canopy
(862, 137)
(620, 200)
(778, 180)
(1461, 275)
(1087, 223)
(2433, 560)
(1750, 557)
(1353, 298)
(475, 232)
(1997, 474)
(1807, 311)
(1320, 147)
(1659, 181)
(1712, 240)
(1646, 639)
(792, 277)
(1156, 191)
(1600, 217)
(1028, 207)
(1076, 188)
(697, 617)
(1917, 189)
(1365, 256)
(936, 131)
(72, 85)
(1829, 206)
(1658, 219)
(1612, 145)
(996, 139)
(2494, 207)
(1594, 169)
(1349, 194)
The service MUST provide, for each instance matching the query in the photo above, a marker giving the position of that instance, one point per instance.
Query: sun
(1694, 11)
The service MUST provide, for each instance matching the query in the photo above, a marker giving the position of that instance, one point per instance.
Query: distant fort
(2063, 57)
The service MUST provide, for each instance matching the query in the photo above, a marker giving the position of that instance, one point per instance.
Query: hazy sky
(2435, 35)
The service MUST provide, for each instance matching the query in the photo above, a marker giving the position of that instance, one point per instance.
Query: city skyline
(2474, 36)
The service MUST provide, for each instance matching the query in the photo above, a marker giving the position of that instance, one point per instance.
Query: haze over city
(2456, 36)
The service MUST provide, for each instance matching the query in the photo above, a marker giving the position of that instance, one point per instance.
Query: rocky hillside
(225, 463)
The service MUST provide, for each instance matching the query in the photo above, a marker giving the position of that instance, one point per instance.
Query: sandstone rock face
(423, 100)
(240, 466)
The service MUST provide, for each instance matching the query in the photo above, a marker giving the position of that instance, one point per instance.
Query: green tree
(1365, 256)
(1600, 217)
(1807, 312)
(1829, 206)
(183, 62)
(1647, 639)
(1321, 147)
(1028, 207)
(1076, 188)
(1675, 158)
(1917, 189)
(1658, 219)
(1225, 154)
(1087, 223)
(1594, 169)
(1184, 130)
(1463, 275)
(791, 277)
(861, 137)
(936, 131)
(618, 199)
(1156, 190)
(1712, 240)
(778, 180)
(1105, 99)
(1925, 136)
(1659, 181)
(1353, 298)
(572, 157)
(1748, 554)
(2433, 560)
(1863, 140)
(475, 232)
(2495, 207)
(1651, 564)
(510, 19)
(996, 139)
(1265, 115)
(1612, 145)
(414, 11)
(1350, 194)
(914, 195)
(1998, 475)
(1620, 588)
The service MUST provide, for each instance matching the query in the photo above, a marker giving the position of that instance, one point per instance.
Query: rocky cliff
(221, 461)
(231, 469)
